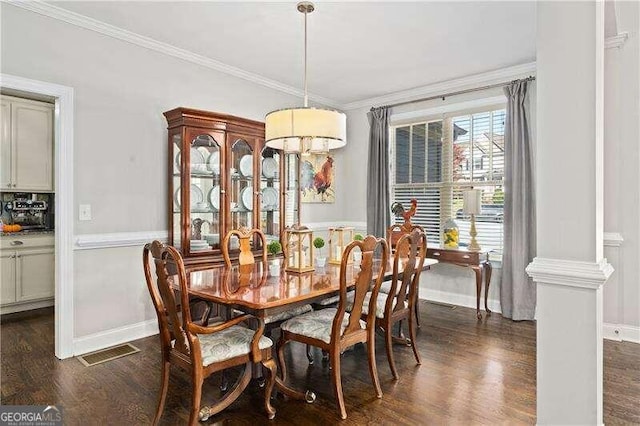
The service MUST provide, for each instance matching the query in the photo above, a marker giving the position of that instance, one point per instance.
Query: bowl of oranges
(11, 228)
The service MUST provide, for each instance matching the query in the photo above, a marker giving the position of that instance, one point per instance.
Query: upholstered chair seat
(316, 324)
(380, 304)
(229, 343)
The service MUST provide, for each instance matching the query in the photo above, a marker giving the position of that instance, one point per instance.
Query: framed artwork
(317, 179)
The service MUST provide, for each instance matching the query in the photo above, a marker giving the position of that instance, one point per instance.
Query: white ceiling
(356, 50)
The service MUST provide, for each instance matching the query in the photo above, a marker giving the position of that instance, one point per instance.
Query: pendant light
(305, 130)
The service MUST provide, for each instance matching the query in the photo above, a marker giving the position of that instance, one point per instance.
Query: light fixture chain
(306, 96)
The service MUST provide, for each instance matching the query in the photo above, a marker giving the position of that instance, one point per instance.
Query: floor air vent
(109, 354)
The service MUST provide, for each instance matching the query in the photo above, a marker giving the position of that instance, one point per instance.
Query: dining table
(250, 289)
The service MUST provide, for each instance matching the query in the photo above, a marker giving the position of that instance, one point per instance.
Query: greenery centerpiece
(320, 259)
(273, 248)
(357, 255)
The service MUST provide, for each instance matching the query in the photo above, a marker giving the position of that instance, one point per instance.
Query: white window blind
(435, 161)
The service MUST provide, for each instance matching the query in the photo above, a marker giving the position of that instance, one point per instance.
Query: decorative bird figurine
(398, 210)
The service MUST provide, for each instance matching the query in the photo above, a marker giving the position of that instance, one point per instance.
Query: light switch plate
(84, 212)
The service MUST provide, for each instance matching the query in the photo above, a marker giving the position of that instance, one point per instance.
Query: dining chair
(399, 303)
(246, 260)
(394, 233)
(246, 257)
(201, 351)
(335, 330)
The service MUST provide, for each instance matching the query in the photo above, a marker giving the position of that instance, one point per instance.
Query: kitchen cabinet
(223, 177)
(27, 268)
(26, 144)
(7, 277)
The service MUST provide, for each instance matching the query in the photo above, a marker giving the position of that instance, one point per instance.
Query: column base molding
(571, 273)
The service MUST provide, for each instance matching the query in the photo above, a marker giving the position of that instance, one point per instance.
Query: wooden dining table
(252, 290)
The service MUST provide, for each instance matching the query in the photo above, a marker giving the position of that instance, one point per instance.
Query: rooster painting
(398, 210)
(316, 182)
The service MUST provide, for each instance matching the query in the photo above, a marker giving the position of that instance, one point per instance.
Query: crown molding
(616, 40)
(468, 82)
(463, 83)
(570, 273)
(55, 12)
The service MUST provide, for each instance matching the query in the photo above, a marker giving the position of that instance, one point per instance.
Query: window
(435, 161)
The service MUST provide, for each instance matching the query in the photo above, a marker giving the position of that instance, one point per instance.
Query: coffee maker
(34, 212)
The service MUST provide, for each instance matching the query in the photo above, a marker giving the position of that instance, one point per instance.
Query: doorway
(63, 98)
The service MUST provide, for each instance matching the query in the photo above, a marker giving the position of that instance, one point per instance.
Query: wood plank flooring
(472, 373)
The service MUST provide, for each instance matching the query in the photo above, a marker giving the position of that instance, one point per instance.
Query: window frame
(447, 182)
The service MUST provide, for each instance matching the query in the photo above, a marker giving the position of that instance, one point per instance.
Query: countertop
(25, 233)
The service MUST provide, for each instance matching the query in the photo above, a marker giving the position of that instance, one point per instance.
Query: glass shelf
(242, 178)
(200, 175)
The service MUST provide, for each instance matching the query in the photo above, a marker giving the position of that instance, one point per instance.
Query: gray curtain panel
(518, 292)
(378, 216)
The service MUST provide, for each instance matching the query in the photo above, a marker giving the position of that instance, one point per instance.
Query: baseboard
(457, 299)
(115, 336)
(28, 306)
(621, 333)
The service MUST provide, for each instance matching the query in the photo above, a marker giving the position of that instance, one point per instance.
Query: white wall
(622, 177)
(120, 148)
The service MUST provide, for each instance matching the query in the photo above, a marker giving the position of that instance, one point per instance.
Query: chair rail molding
(612, 239)
(571, 273)
(118, 239)
(324, 226)
(616, 41)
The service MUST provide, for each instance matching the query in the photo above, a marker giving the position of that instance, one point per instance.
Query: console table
(476, 260)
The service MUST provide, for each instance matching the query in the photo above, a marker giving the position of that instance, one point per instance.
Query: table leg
(478, 271)
(487, 281)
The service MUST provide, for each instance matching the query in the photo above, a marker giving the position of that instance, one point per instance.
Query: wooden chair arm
(198, 329)
(256, 353)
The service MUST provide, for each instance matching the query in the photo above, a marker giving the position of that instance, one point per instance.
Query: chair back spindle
(246, 254)
(173, 316)
(368, 274)
(409, 257)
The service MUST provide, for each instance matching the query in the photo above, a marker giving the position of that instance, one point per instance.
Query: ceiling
(356, 50)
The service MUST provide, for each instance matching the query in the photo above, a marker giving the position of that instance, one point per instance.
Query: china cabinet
(222, 177)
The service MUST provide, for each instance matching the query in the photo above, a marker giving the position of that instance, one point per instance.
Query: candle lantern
(299, 249)
(339, 239)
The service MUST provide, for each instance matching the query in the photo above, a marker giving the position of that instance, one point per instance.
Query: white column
(569, 270)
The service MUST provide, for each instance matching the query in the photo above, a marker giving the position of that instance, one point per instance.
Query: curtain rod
(460, 92)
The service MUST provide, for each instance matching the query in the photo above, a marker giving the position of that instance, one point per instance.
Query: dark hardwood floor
(472, 373)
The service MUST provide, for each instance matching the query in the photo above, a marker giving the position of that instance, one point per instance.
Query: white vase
(357, 257)
(274, 268)
(321, 262)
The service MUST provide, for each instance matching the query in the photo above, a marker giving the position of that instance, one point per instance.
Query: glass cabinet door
(270, 193)
(204, 200)
(175, 155)
(241, 191)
